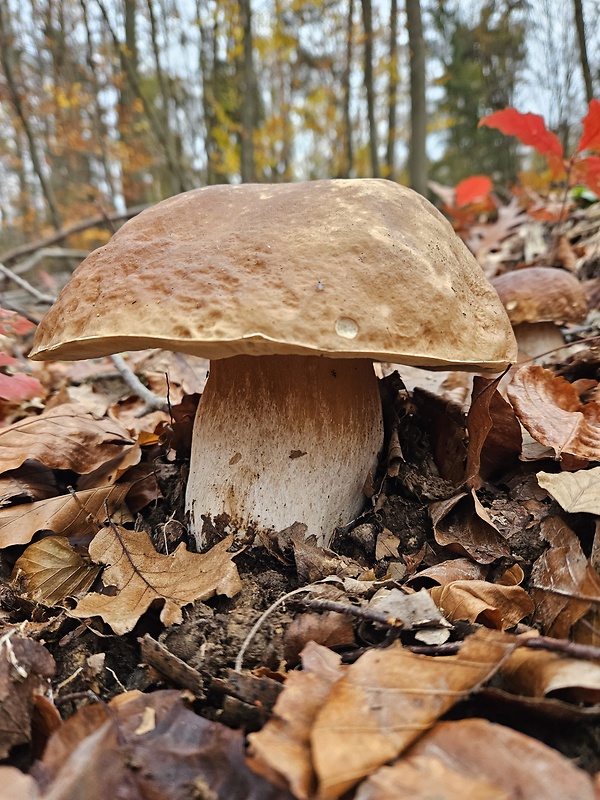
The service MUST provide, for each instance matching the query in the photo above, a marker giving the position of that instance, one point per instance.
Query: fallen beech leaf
(563, 581)
(330, 630)
(490, 604)
(455, 569)
(65, 515)
(494, 432)
(534, 673)
(575, 491)
(462, 524)
(387, 699)
(281, 750)
(424, 778)
(109, 752)
(550, 409)
(141, 576)
(519, 765)
(25, 670)
(52, 570)
(66, 437)
(30, 482)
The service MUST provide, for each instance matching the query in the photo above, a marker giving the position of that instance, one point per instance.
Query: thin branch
(39, 296)
(89, 222)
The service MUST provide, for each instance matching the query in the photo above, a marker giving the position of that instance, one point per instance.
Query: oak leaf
(142, 576)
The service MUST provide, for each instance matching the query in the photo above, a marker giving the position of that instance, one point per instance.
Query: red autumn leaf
(587, 171)
(474, 188)
(590, 138)
(19, 387)
(13, 324)
(529, 129)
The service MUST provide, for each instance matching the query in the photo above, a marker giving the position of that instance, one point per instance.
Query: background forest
(106, 105)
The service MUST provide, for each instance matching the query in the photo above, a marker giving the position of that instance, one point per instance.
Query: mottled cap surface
(342, 268)
(541, 294)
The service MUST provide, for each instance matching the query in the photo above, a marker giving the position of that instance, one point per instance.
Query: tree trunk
(348, 155)
(585, 65)
(367, 13)
(249, 86)
(390, 158)
(417, 159)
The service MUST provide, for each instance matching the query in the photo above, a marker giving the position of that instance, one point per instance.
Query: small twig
(39, 296)
(48, 252)
(572, 649)
(152, 401)
(355, 611)
(257, 625)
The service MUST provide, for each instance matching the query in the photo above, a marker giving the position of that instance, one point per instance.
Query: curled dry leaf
(494, 432)
(25, 671)
(514, 763)
(52, 570)
(66, 515)
(387, 699)
(281, 750)
(490, 604)
(535, 673)
(564, 583)
(575, 491)
(141, 576)
(551, 411)
(455, 569)
(462, 524)
(66, 437)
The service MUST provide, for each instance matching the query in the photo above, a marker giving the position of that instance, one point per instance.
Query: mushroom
(292, 291)
(538, 300)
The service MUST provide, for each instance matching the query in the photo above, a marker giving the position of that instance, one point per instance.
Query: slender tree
(367, 15)
(249, 96)
(417, 159)
(390, 156)
(583, 55)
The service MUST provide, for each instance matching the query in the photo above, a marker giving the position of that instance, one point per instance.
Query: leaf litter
(409, 668)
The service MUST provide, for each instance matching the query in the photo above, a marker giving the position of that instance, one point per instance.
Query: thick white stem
(284, 439)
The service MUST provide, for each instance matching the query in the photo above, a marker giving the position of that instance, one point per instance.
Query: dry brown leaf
(490, 604)
(462, 524)
(148, 746)
(455, 569)
(563, 581)
(52, 570)
(519, 765)
(330, 630)
(494, 432)
(141, 576)
(387, 699)
(575, 491)
(550, 409)
(281, 750)
(536, 673)
(65, 515)
(424, 778)
(66, 437)
(25, 671)
(28, 483)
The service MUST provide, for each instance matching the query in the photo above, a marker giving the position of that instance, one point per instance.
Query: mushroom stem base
(284, 439)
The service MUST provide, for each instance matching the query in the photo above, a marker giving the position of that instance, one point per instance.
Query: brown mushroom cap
(541, 294)
(344, 268)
